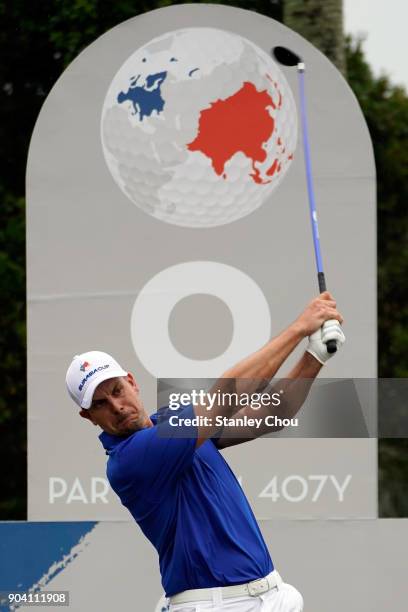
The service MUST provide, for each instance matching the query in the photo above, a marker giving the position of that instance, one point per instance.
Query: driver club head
(286, 57)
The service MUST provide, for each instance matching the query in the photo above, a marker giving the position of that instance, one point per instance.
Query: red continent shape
(238, 123)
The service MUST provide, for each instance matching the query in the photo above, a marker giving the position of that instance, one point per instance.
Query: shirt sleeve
(153, 459)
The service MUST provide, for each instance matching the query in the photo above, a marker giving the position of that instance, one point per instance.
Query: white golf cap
(87, 371)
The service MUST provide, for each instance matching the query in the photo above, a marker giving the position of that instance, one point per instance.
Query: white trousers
(284, 598)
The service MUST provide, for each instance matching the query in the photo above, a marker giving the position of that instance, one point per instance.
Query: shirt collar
(110, 441)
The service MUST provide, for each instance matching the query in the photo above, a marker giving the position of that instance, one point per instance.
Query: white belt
(253, 589)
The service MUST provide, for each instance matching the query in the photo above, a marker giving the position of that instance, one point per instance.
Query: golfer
(180, 489)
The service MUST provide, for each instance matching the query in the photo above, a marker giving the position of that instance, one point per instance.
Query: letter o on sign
(156, 300)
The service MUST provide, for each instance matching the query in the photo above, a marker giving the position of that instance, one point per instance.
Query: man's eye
(117, 391)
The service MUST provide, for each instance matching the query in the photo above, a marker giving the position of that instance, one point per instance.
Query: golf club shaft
(331, 344)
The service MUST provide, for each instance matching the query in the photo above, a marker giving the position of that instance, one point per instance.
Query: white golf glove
(331, 330)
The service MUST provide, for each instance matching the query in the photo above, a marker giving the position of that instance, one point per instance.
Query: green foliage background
(37, 41)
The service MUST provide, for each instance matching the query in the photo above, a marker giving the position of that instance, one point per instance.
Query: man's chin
(129, 426)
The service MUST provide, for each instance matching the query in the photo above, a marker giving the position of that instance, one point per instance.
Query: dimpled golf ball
(198, 127)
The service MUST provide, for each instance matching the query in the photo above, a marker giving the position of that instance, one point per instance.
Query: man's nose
(116, 405)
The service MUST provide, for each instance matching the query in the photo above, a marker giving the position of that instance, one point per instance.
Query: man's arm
(263, 364)
(295, 387)
(248, 374)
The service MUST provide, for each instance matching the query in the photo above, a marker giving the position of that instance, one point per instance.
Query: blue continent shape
(145, 98)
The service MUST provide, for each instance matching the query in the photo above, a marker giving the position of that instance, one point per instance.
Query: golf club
(286, 57)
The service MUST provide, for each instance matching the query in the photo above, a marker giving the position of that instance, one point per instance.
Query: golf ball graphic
(198, 127)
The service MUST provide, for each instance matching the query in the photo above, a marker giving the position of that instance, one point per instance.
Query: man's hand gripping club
(317, 312)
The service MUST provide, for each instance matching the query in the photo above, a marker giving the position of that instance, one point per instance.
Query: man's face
(116, 407)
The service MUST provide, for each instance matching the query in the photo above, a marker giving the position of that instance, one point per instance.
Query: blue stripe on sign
(28, 550)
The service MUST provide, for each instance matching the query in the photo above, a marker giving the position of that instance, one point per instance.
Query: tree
(321, 23)
(37, 42)
(385, 108)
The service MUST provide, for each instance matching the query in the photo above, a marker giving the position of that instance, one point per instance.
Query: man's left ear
(85, 415)
(132, 381)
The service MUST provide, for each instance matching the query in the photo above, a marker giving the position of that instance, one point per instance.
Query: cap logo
(91, 373)
(84, 365)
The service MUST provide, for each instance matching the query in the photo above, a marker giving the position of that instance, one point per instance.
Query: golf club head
(285, 56)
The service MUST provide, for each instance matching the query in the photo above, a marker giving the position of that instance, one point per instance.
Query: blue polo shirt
(188, 503)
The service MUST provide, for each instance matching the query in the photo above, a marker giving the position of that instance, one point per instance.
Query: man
(180, 489)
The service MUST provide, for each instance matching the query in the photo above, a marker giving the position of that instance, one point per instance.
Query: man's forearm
(306, 367)
(264, 363)
(253, 373)
(295, 387)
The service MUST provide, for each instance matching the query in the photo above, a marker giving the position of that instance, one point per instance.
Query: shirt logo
(84, 366)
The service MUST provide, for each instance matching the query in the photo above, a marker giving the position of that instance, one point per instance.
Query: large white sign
(167, 224)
